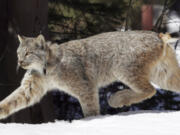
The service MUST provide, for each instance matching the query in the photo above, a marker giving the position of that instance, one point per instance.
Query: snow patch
(136, 123)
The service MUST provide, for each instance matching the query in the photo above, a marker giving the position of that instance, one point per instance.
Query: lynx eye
(27, 53)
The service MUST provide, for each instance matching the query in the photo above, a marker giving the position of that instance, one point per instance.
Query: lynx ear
(41, 38)
(20, 39)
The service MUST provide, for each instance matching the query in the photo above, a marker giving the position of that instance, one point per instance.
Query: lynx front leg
(128, 96)
(85, 90)
(90, 104)
(27, 94)
(88, 97)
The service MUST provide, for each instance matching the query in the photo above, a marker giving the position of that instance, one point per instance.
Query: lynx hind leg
(140, 91)
(167, 72)
(169, 79)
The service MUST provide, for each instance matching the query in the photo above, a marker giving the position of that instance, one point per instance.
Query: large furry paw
(91, 113)
(118, 100)
(3, 113)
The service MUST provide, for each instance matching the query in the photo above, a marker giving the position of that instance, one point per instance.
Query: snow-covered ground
(131, 123)
(173, 22)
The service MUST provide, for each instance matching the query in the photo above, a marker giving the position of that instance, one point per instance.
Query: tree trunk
(3, 45)
(147, 17)
(29, 18)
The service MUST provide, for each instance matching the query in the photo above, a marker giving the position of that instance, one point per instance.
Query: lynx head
(32, 53)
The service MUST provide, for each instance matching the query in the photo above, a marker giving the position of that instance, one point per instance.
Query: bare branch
(127, 15)
(160, 19)
(177, 42)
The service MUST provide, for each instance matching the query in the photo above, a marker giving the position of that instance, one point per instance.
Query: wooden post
(147, 17)
(3, 45)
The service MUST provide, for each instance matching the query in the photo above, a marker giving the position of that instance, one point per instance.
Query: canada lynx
(80, 67)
